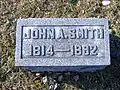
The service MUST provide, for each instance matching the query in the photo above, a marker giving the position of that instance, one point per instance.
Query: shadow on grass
(106, 79)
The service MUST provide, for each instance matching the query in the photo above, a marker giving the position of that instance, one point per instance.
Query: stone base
(63, 68)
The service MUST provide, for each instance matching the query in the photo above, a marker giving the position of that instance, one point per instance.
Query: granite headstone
(62, 44)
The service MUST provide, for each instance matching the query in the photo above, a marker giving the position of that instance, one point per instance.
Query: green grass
(12, 77)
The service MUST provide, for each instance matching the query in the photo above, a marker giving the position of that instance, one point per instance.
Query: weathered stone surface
(62, 44)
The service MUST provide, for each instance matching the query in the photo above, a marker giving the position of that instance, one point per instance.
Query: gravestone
(62, 44)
